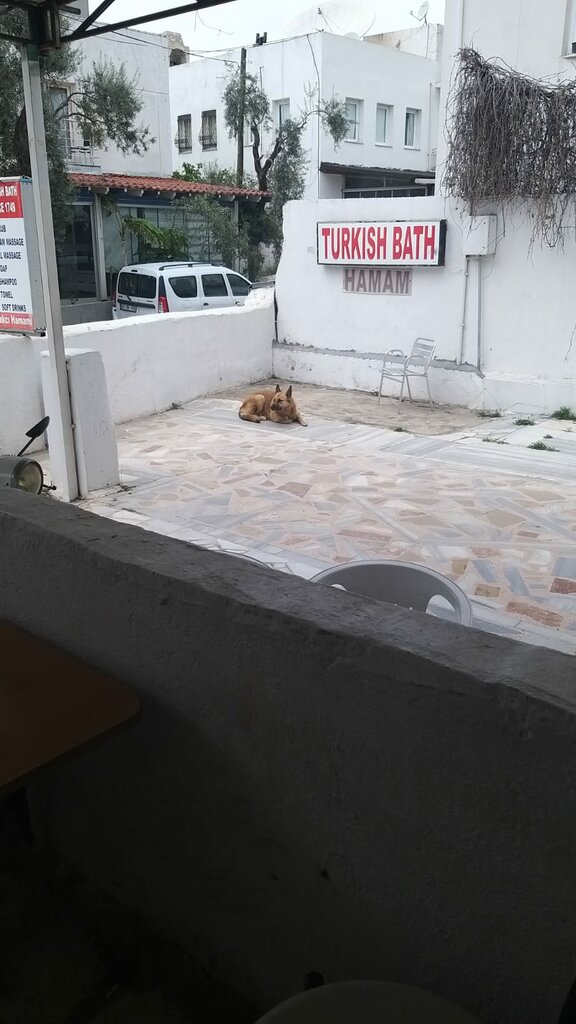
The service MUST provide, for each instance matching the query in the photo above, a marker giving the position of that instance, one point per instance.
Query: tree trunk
(21, 151)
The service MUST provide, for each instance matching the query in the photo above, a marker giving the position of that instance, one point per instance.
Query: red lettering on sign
(429, 241)
(325, 237)
(345, 243)
(10, 199)
(397, 243)
(417, 232)
(335, 237)
(407, 250)
(381, 235)
(355, 244)
(371, 246)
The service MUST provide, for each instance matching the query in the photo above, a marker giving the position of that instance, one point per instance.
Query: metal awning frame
(45, 28)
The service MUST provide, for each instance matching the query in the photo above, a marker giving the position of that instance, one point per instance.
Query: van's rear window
(184, 287)
(137, 286)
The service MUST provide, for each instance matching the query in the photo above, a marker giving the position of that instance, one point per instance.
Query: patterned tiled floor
(500, 521)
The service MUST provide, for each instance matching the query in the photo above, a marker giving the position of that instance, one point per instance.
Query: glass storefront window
(76, 269)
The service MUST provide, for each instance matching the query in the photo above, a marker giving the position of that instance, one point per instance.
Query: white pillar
(63, 463)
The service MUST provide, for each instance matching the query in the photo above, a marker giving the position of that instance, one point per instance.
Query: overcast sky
(236, 23)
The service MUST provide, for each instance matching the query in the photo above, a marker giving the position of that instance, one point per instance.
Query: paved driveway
(499, 520)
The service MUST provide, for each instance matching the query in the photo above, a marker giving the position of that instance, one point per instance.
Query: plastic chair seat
(367, 1002)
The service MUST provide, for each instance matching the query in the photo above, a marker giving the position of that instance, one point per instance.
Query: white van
(176, 287)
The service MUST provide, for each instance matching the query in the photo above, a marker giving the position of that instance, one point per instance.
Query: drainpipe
(479, 314)
(466, 271)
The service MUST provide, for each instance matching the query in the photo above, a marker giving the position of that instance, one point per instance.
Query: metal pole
(62, 457)
(241, 113)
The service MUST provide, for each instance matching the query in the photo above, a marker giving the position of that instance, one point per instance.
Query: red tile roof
(133, 181)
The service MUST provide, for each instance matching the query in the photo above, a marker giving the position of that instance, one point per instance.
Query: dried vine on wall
(512, 139)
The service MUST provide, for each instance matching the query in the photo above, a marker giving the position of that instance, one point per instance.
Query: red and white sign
(382, 243)
(17, 308)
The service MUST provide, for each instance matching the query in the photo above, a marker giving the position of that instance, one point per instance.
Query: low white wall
(521, 346)
(150, 362)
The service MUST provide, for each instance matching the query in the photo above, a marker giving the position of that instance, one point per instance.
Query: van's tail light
(162, 300)
(114, 296)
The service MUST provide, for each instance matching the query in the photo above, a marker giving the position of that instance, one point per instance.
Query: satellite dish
(422, 12)
(342, 17)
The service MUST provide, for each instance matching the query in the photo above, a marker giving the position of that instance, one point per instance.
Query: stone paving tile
(498, 522)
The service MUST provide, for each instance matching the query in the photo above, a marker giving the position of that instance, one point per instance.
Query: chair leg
(429, 395)
(402, 387)
(380, 390)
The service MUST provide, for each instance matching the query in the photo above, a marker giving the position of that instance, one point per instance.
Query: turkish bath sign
(21, 304)
(382, 243)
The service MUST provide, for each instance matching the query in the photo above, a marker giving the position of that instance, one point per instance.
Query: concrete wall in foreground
(150, 361)
(316, 782)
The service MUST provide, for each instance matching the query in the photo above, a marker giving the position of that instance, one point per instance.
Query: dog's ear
(277, 389)
(289, 392)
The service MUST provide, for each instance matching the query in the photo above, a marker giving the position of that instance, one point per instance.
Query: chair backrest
(402, 583)
(422, 352)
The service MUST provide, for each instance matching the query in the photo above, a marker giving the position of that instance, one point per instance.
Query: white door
(182, 292)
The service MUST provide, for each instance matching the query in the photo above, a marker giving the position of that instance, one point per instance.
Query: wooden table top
(51, 704)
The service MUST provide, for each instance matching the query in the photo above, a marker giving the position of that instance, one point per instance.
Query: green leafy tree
(282, 169)
(286, 161)
(154, 243)
(103, 107)
(214, 234)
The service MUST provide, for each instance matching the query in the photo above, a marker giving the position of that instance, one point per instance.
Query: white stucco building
(391, 94)
(502, 313)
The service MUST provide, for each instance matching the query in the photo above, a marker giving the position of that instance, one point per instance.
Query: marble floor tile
(498, 519)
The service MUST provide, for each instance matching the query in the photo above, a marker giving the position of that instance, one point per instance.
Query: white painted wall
(146, 57)
(528, 313)
(424, 40)
(284, 69)
(150, 362)
(340, 67)
(386, 75)
(532, 37)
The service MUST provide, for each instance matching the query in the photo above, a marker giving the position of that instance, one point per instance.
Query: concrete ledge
(316, 782)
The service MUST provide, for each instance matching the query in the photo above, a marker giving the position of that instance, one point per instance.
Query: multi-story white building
(391, 97)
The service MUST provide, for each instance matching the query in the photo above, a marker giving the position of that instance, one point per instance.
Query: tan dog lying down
(277, 406)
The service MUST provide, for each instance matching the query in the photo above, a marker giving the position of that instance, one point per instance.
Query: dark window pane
(128, 285)
(213, 285)
(147, 286)
(75, 259)
(238, 285)
(184, 287)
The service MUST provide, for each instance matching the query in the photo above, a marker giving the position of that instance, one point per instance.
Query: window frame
(279, 105)
(184, 277)
(232, 273)
(417, 114)
(205, 133)
(218, 295)
(388, 124)
(357, 122)
(184, 139)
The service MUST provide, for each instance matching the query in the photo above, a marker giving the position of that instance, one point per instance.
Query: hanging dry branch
(512, 139)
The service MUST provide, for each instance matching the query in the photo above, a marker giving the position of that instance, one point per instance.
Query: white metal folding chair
(399, 367)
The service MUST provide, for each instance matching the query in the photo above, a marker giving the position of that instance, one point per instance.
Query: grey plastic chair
(402, 583)
(400, 367)
(367, 1002)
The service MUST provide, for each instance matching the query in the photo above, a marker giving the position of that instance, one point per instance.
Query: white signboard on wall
(382, 243)
(21, 303)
